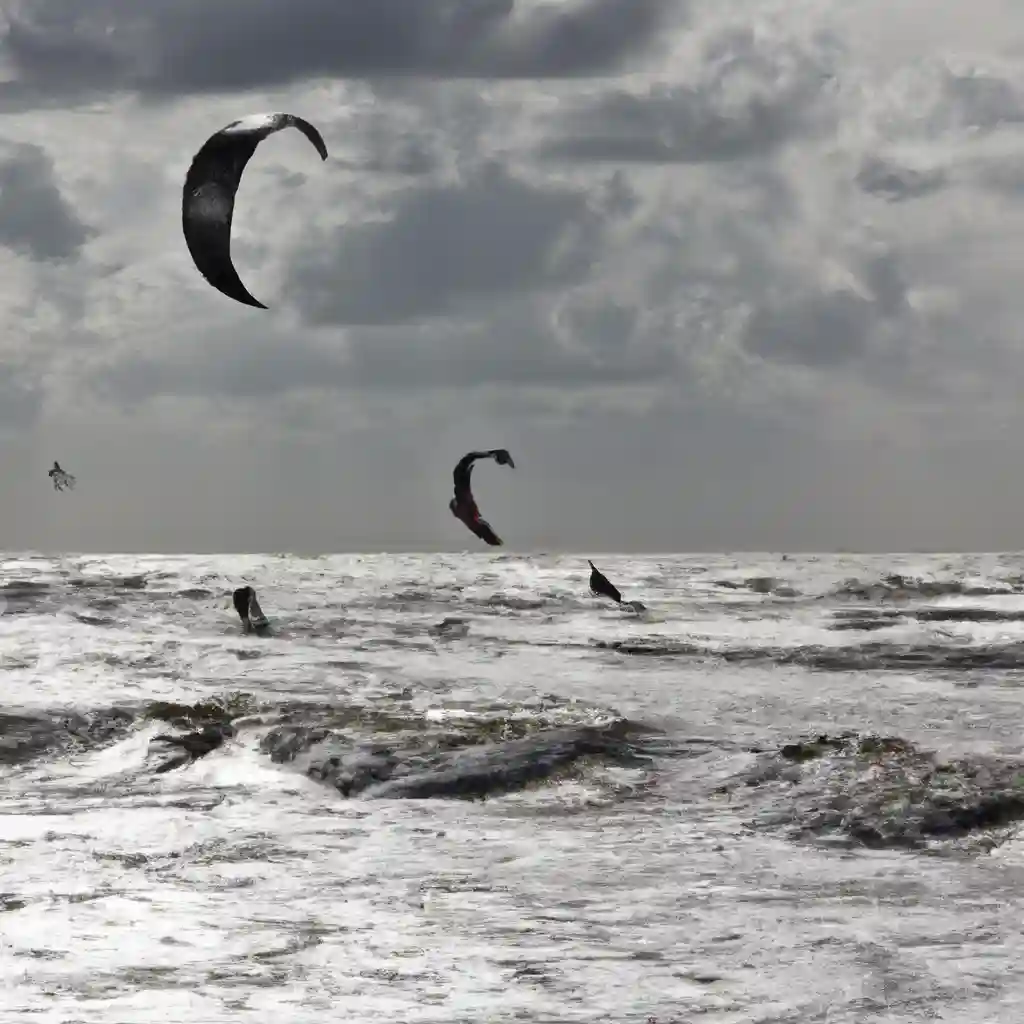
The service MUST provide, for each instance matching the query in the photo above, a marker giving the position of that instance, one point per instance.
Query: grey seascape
(461, 788)
(536, 289)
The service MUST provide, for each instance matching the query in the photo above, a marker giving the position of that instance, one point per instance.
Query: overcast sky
(721, 274)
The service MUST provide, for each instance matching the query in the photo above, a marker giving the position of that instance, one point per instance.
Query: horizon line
(508, 551)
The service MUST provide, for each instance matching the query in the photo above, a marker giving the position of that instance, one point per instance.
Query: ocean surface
(460, 788)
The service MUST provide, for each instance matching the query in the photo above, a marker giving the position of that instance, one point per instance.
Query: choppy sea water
(462, 789)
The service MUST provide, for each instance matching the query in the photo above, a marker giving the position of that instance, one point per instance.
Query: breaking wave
(435, 761)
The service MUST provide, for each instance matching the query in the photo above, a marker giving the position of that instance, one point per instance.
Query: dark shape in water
(249, 611)
(463, 506)
(208, 198)
(451, 626)
(212, 711)
(194, 745)
(883, 792)
(808, 750)
(62, 480)
(600, 584)
(377, 770)
(27, 735)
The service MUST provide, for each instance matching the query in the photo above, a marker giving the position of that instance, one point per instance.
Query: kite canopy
(208, 198)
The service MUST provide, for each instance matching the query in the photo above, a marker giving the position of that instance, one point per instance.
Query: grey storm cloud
(20, 399)
(750, 100)
(828, 328)
(819, 330)
(483, 237)
(183, 46)
(253, 365)
(703, 252)
(979, 100)
(524, 343)
(35, 218)
(911, 158)
(941, 100)
(520, 345)
(887, 179)
(412, 157)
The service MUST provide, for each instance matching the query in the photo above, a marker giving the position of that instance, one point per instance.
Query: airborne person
(463, 506)
(61, 479)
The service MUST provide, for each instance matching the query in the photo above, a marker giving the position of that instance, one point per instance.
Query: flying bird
(208, 199)
(600, 584)
(463, 506)
(61, 480)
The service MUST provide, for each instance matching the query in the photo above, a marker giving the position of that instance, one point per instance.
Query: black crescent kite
(600, 584)
(463, 505)
(208, 199)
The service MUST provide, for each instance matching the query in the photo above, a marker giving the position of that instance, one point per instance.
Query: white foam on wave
(129, 755)
(239, 764)
(238, 885)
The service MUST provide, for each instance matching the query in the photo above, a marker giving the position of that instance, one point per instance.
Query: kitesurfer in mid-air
(463, 506)
(61, 479)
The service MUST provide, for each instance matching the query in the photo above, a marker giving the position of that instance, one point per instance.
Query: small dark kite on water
(61, 480)
(600, 584)
(463, 505)
(208, 199)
